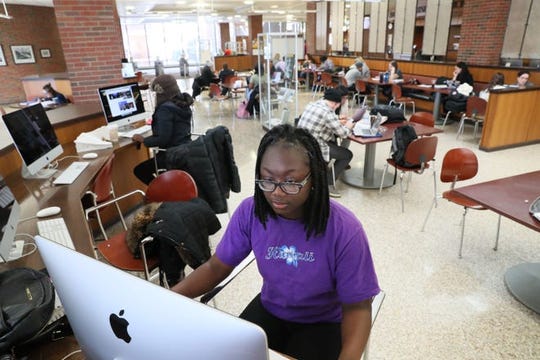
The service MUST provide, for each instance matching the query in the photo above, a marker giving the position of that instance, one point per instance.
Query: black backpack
(401, 139)
(394, 114)
(26, 305)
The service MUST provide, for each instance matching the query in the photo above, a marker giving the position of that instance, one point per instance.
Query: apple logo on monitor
(119, 326)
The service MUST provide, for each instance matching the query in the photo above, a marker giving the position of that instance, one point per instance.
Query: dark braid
(317, 207)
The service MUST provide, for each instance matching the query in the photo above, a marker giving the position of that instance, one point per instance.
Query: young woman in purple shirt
(312, 253)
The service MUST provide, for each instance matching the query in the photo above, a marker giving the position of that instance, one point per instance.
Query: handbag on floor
(242, 112)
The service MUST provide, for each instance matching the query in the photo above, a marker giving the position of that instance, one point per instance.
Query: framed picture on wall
(23, 54)
(2, 57)
(45, 53)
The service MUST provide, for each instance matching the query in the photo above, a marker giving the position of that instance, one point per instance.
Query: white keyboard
(140, 130)
(73, 171)
(55, 229)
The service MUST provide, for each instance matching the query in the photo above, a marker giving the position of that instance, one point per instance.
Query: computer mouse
(48, 211)
(90, 155)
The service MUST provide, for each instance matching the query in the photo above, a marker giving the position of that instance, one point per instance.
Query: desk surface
(388, 132)
(511, 196)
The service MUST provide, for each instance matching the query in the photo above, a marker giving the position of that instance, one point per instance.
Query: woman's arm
(204, 278)
(355, 329)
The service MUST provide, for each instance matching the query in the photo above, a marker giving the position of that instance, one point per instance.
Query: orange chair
(173, 185)
(215, 92)
(475, 112)
(460, 164)
(398, 98)
(361, 92)
(102, 190)
(419, 154)
(322, 82)
(423, 117)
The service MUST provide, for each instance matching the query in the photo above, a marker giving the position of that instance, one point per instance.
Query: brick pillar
(311, 25)
(483, 28)
(91, 39)
(254, 28)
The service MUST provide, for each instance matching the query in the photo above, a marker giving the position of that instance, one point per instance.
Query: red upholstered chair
(173, 185)
(460, 164)
(419, 154)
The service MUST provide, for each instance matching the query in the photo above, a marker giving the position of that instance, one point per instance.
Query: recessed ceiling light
(248, 2)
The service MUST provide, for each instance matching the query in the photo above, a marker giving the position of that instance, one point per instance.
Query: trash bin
(158, 66)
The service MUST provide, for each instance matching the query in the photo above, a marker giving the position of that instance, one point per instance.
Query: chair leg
(498, 231)
(445, 119)
(382, 177)
(409, 178)
(461, 127)
(401, 191)
(462, 232)
(433, 204)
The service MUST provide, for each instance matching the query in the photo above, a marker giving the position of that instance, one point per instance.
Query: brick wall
(92, 41)
(31, 25)
(482, 31)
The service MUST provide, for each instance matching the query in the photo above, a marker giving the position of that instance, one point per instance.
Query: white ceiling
(272, 10)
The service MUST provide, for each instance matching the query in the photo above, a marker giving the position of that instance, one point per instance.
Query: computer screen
(35, 140)
(122, 104)
(9, 216)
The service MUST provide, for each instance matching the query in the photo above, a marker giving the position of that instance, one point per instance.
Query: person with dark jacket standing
(171, 124)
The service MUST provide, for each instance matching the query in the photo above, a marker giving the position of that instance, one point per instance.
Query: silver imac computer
(35, 140)
(122, 104)
(9, 216)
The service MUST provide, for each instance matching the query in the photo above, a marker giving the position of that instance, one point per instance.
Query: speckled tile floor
(437, 306)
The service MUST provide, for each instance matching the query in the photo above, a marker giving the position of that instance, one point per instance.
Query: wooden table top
(510, 196)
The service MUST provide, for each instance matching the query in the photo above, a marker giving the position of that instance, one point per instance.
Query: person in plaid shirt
(320, 119)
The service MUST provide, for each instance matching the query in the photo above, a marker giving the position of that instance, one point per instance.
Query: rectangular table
(511, 197)
(369, 177)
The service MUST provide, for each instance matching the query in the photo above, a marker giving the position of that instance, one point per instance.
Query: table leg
(523, 281)
(369, 178)
(376, 98)
(437, 106)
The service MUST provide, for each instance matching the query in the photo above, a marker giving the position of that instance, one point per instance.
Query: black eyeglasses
(288, 187)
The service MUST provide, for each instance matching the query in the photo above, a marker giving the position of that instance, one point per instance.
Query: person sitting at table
(366, 72)
(523, 79)
(320, 120)
(207, 76)
(52, 94)
(171, 125)
(354, 74)
(462, 74)
(252, 93)
(394, 73)
(223, 74)
(312, 253)
(496, 80)
(327, 65)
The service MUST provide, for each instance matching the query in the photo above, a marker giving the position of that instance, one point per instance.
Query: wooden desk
(511, 197)
(511, 119)
(430, 89)
(369, 177)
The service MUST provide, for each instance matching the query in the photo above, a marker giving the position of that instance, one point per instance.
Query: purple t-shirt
(303, 281)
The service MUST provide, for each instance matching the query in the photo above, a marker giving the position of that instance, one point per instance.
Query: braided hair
(317, 206)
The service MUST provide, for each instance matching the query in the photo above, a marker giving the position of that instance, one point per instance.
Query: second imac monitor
(35, 140)
(122, 104)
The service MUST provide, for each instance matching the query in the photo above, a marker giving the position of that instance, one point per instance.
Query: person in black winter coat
(207, 76)
(171, 124)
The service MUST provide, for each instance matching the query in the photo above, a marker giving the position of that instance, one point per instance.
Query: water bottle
(386, 77)
(381, 77)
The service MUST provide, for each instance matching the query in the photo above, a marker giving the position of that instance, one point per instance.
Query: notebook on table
(372, 131)
(116, 315)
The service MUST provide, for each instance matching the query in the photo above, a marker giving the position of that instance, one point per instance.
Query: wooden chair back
(360, 86)
(459, 164)
(421, 151)
(476, 107)
(423, 117)
(214, 90)
(103, 182)
(396, 91)
(172, 185)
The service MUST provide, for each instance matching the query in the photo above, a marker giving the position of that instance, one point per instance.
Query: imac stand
(44, 173)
